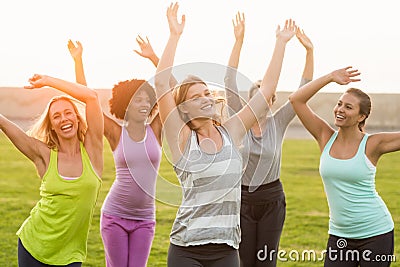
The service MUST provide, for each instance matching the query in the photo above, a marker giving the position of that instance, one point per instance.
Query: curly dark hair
(123, 92)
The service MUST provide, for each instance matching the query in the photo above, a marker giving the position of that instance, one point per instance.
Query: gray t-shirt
(261, 155)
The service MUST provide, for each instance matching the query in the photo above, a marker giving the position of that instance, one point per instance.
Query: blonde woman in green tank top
(68, 154)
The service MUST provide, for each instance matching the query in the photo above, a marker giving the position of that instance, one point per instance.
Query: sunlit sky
(34, 35)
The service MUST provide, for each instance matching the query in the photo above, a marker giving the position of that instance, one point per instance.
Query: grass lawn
(306, 220)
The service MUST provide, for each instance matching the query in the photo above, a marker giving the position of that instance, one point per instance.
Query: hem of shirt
(203, 242)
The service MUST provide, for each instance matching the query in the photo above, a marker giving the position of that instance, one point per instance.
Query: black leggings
(261, 220)
(210, 255)
(376, 251)
(25, 259)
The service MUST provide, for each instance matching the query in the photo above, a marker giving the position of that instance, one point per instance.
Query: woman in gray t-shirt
(263, 206)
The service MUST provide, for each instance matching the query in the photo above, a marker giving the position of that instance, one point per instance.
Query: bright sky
(34, 36)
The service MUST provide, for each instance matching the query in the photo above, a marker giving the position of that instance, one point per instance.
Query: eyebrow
(340, 101)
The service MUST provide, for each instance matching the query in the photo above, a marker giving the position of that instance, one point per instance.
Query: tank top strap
(52, 164)
(150, 135)
(328, 145)
(363, 143)
(225, 136)
(87, 164)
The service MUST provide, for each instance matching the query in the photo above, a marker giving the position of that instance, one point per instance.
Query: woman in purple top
(128, 212)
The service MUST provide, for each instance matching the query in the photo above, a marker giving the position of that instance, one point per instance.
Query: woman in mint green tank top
(68, 154)
(360, 224)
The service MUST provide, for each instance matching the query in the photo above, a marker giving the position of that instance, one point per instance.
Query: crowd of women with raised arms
(233, 202)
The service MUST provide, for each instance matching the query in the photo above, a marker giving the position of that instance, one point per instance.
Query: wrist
(239, 40)
(78, 59)
(281, 41)
(154, 59)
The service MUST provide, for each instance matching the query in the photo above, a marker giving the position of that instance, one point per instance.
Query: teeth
(339, 116)
(66, 126)
(143, 110)
(208, 106)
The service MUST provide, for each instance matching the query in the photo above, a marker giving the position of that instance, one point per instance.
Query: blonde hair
(43, 131)
(180, 93)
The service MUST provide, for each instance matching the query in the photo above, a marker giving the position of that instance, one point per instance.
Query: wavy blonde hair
(43, 131)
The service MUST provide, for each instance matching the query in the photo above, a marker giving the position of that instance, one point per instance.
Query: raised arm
(94, 116)
(247, 116)
(146, 51)
(76, 54)
(176, 130)
(308, 71)
(319, 128)
(32, 148)
(231, 90)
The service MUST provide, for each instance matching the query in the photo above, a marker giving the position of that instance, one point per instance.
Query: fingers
(138, 52)
(239, 19)
(183, 19)
(139, 39)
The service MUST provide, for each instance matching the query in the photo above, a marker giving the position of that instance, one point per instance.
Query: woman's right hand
(239, 26)
(345, 76)
(175, 27)
(37, 81)
(146, 50)
(75, 50)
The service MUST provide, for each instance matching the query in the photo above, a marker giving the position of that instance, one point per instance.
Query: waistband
(276, 183)
(264, 193)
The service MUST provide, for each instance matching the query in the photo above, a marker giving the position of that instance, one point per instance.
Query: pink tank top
(132, 195)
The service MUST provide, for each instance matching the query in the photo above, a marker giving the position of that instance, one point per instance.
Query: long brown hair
(180, 93)
(43, 131)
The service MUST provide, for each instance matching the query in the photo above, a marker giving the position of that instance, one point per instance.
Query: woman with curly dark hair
(128, 212)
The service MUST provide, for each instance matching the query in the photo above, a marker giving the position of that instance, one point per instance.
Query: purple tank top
(132, 195)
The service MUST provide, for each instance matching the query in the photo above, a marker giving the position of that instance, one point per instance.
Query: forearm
(231, 90)
(271, 76)
(155, 60)
(310, 89)
(235, 54)
(308, 71)
(77, 91)
(164, 67)
(79, 71)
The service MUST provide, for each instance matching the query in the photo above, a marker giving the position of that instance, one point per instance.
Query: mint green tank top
(57, 229)
(355, 208)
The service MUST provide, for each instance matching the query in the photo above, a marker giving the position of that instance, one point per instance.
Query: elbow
(161, 85)
(292, 98)
(92, 96)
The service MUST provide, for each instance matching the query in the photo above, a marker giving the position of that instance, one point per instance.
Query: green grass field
(306, 220)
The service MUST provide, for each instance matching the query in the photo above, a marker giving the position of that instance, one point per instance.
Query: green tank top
(57, 229)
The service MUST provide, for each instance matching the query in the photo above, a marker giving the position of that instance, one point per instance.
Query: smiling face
(63, 119)
(199, 103)
(347, 111)
(139, 108)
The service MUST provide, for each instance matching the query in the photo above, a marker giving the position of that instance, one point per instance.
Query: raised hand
(303, 38)
(75, 50)
(239, 26)
(37, 81)
(288, 31)
(146, 50)
(175, 27)
(345, 76)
